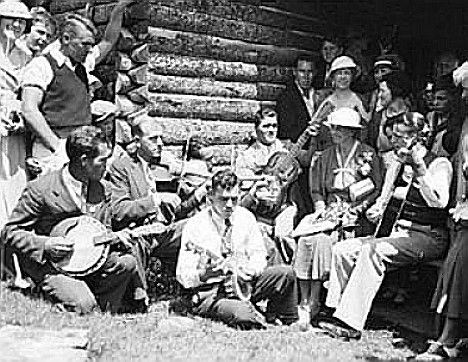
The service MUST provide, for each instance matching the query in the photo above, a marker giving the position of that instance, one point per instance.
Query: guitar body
(91, 248)
(284, 166)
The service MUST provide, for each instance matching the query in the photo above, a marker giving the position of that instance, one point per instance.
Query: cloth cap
(342, 62)
(391, 61)
(14, 9)
(344, 117)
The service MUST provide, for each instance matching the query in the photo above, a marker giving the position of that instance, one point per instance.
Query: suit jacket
(44, 203)
(293, 117)
(132, 201)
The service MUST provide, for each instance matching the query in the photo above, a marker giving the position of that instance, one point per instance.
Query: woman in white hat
(344, 181)
(14, 16)
(342, 72)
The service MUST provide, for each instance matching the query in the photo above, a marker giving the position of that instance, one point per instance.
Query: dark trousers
(105, 288)
(167, 245)
(277, 284)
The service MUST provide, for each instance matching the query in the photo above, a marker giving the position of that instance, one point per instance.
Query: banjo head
(86, 257)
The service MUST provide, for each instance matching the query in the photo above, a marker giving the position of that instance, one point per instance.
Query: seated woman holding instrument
(345, 180)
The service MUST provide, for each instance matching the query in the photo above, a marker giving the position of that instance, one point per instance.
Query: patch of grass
(157, 336)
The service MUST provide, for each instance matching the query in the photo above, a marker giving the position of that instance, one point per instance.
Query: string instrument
(234, 286)
(91, 243)
(391, 205)
(339, 215)
(285, 166)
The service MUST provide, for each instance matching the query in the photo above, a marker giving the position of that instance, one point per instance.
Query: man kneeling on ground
(77, 189)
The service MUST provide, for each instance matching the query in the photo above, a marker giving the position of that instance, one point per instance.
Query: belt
(411, 225)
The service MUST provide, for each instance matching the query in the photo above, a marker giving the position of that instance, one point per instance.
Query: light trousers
(359, 265)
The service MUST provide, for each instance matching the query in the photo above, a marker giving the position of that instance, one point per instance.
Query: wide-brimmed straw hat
(344, 117)
(14, 9)
(342, 62)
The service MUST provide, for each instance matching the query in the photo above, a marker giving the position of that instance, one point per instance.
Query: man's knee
(74, 294)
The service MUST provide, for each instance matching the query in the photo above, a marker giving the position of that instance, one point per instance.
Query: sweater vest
(66, 103)
(415, 208)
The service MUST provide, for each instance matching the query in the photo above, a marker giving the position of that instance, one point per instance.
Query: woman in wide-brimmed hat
(342, 72)
(346, 175)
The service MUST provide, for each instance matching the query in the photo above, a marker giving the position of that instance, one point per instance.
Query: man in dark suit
(295, 107)
(135, 199)
(74, 190)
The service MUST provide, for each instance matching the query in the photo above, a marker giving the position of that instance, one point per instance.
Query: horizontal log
(221, 154)
(213, 88)
(175, 18)
(177, 130)
(61, 6)
(185, 43)
(255, 13)
(186, 66)
(215, 108)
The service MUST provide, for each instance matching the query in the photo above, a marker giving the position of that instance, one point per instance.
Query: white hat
(344, 117)
(14, 9)
(342, 62)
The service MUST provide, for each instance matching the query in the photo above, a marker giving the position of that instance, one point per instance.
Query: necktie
(82, 75)
(226, 247)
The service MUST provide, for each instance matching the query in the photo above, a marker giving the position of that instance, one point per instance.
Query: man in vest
(55, 86)
(421, 180)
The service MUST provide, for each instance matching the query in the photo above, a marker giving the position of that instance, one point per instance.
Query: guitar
(285, 167)
(234, 286)
(392, 206)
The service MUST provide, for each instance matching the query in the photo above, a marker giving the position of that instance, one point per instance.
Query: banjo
(91, 247)
(91, 243)
(234, 286)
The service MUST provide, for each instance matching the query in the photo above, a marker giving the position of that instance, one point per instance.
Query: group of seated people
(364, 187)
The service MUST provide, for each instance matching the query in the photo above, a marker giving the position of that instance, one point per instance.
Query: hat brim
(357, 126)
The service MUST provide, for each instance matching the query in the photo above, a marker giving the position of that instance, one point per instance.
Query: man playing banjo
(222, 250)
(73, 191)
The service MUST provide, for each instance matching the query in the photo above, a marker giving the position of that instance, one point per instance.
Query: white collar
(54, 49)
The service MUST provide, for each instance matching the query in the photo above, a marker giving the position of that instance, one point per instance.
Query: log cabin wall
(202, 66)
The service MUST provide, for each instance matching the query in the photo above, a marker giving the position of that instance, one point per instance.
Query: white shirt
(256, 157)
(39, 72)
(205, 230)
(434, 186)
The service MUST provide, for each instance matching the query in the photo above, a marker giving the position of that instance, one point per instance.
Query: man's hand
(33, 166)
(313, 130)
(58, 247)
(170, 199)
(213, 271)
(125, 238)
(460, 212)
(375, 213)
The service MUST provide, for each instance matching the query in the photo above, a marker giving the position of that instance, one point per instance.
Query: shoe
(303, 312)
(437, 351)
(336, 331)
